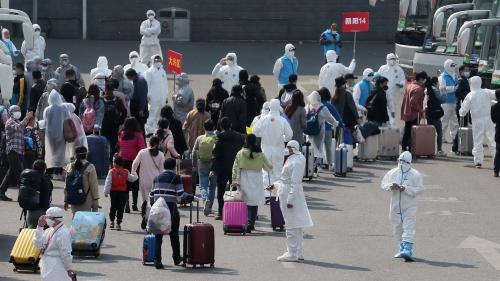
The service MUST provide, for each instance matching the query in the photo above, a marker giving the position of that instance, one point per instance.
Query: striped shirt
(167, 185)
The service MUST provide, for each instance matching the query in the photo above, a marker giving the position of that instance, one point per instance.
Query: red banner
(355, 21)
(174, 62)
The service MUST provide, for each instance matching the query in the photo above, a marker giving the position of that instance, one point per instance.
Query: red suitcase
(198, 242)
(423, 140)
(187, 183)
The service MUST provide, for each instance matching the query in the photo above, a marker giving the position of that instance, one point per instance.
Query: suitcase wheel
(310, 178)
(183, 264)
(14, 269)
(274, 228)
(211, 265)
(282, 228)
(194, 265)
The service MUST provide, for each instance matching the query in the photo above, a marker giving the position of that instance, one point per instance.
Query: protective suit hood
(265, 108)
(294, 145)
(55, 212)
(182, 80)
(55, 98)
(290, 50)
(475, 83)
(331, 56)
(118, 72)
(314, 98)
(133, 54)
(274, 106)
(405, 156)
(3, 36)
(102, 62)
(391, 59)
(404, 161)
(367, 72)
(448, 66)
(233, 55)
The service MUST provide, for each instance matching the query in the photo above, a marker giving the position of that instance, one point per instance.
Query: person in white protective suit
(285, 66)
(150, 44)
(478, 102)
(228, 70)
(332, 70)
(263, 112)
(273, 130)
(135, 63)
(102, 67)
(13, 51)
(55, 242)
(293, 203)
(406, 184)
(38, 45)
(156, 77)
(6, 75)
(447, 82)
(396, 76)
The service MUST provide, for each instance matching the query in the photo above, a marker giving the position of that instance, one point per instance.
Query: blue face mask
(467, 74)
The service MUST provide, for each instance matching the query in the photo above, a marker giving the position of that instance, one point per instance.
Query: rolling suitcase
(235, 217)
(277, 220)
(388, 142)
(308, 153)
(340, 160)
(187, 183)
(87, 233)
(423, 140)
(148, 249)
(465, 141)
(199, 241)
(25, 255)
(368, 149)
(99, 154)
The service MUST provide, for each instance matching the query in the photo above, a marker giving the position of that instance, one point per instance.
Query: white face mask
(291, 54)
(151, 17)
(45, 67)
(133, 60)
(391, 62)
(158, 65)
(37, 33)
(50, 222)
(7, 40)
(16, 115)
(230, 62)
(404, 167)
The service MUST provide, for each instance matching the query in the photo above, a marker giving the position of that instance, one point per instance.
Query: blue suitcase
(87, 233)
(99, 154)
(148, 249)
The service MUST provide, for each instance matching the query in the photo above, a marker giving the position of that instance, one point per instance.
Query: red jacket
(119, 179)
(413, 102)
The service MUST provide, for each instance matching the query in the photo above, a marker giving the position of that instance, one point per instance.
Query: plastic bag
(159, 220)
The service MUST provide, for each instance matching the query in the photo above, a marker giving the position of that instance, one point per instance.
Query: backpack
(29, 193)
(75, 192)
(205, 148)
(88, 117)
(110, 111)
(313, 127)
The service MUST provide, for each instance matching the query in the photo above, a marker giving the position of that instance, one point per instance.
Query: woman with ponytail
(247, 174)
(151, 161)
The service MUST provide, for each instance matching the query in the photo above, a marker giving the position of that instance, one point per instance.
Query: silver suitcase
(465, 142)
(388, 142)
(368, 149)
(307, 151)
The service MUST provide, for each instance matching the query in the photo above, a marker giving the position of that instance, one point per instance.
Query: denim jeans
(497, 158)
(439, 131)
(207, 184)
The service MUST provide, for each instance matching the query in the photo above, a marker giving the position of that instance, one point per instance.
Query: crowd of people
(237, 136)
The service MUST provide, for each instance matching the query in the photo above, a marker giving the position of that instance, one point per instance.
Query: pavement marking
(487, 249)
(465, 213)
(439, 199)
(288, 265)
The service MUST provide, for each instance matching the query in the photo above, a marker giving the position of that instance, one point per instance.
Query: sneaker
(478, 166)
(178, 261)
(399, 254)
(218, 217)
(112, 225)
(206, 208)
(118, 227)
(127, 208)
(134, 208)
(495, 174)
(159, 265)
(441, 153)
(286, 257)
(4, 197)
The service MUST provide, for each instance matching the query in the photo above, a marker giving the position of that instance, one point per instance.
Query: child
(405, 183)
(116, 186)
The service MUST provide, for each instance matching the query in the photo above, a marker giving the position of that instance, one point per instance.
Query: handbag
(233, 195)
(69, 130)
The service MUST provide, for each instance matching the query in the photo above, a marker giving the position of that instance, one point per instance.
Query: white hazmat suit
(274, 131)
(228, 71)
(478, 102)
(396, 76)
(263, 112)
(55, 242)
(135, 64)
(403, 206)
(291, 194)
(6, 76)
(38, 45)
(53, 119)
(102, 67)
(449, 119)
(332, 70)
(150, 44)
(156, 77)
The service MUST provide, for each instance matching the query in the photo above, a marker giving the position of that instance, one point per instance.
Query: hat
(55, 212)
(350, 76)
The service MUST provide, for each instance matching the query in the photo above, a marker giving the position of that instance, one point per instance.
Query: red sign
(355, 21)
(174, 62)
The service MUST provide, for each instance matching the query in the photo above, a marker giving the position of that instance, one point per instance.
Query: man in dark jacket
(215, 97)
(115, 113)
(461, 92)
(139, 101)
(235, 108)
(36, 90)
(495, 117)
(253, 97)
(72, 91)
(176, 128)
(37, 174)
(229, 142)
(288, 88)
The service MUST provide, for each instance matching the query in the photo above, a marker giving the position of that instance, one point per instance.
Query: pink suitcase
(235, 217)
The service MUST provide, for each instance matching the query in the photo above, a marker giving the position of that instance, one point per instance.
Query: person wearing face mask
(150, 44)
(447, 83)
(412, 108)
(194, 124)
(396, 81)
(332, 70)
(253, 97)
(156, 77)
(43, 102)
(405, 184)
(461, 91)
(13, 52)
(124, 89)
(14, 136)
(64, 66)
(36, 175)
(139, 101)
(215, 97)
(38, 45)
(434, 112)
(183, 99)
(37, 89)
(47, 71)
(478, 102)
(330, 39)
(20, 92)
(55, 242)
(286, 66)
(293, 203)
(135, 63)
(362, 90)
(102, 67)
(228, 70)
(286, 92)
(81, 138)
(376, 105)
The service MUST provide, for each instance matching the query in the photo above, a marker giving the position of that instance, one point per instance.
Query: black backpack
(110, 112)
(75, 191)
(29, 190)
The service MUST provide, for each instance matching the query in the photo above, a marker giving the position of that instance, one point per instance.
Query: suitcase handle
(197, 212)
